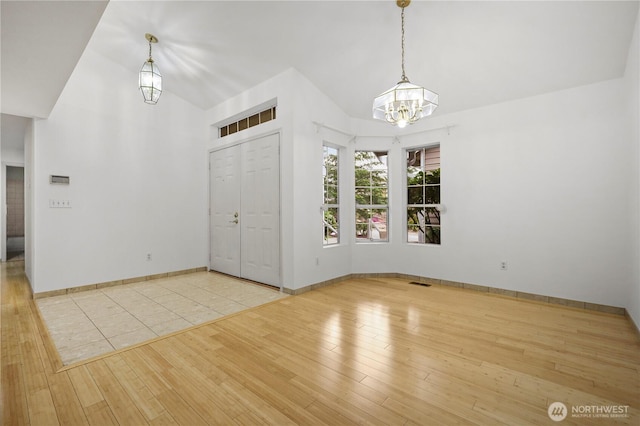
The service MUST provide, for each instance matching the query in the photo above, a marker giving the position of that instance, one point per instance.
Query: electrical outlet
(503, 265)
(148, 257)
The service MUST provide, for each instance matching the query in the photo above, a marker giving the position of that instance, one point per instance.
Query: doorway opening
(15, 213)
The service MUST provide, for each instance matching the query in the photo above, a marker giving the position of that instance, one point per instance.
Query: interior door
(224, 203)
(245, 210)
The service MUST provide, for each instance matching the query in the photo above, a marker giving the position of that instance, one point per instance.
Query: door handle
(234, 221)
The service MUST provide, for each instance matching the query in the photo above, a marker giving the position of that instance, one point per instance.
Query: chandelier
(150, 80)
(405, 103)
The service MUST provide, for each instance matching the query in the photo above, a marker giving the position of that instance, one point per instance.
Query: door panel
(260, 206)
(225, 206)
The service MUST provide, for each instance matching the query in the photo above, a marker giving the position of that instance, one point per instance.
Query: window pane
(378, 230)
(379, 177)
(331, 175)
(415, 225)
(362, 224)
(331, 198)
(431, 216)
(371, 225)
(363, 177)
(331, 194)
(414, 157)
(423, 225)
(432, 194)
(414, 176)
(331, 225)
(379, 196)
(432, 235)
(423, 189)
(371, 179)
(415, 195)
(363, 196)
(432, 176)
(413, 234)
(362, 216)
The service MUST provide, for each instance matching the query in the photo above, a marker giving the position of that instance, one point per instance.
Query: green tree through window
(331, 204)
(371, 196)
(423, 195)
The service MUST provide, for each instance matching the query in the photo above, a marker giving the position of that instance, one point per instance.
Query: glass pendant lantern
(405, 103)
(150, 79)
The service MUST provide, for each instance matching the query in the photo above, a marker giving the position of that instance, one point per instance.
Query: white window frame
(381, 231)
(327, 227)
(423, 205)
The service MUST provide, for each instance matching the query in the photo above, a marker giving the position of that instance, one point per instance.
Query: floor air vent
(417, 283)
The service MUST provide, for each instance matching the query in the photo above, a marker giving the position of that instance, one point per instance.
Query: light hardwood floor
(375, 351)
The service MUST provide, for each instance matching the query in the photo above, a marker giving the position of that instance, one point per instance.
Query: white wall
(632, 89)
(29, 254)
(14, 156)
(138, 181)
(315, 262)
(541, 183)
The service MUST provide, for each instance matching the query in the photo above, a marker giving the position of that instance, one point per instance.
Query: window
(423, 195)
(331, 202)
(246, 122)
(372, 195)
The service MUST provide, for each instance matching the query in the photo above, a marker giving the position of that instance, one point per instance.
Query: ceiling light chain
(150, 58)
(405, 103)
(404, 76)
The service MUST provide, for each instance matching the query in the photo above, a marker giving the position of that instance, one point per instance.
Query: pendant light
(150, 80)
(405, 103)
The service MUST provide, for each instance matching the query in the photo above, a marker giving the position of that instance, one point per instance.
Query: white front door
(224, 202)
(245, 210)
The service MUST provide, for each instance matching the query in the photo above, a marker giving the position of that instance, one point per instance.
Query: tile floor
(91, 323)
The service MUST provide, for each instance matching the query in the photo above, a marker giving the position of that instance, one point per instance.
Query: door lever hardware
(234, 221)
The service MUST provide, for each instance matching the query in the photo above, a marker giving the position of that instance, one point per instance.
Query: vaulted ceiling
(42, 42)
(472, 53)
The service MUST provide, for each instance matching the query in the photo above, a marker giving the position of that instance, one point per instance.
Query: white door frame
(3, 219)
(240, 142)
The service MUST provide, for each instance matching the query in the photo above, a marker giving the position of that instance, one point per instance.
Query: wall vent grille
(246, 122)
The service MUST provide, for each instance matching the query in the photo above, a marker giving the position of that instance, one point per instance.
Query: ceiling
(41, 43)
(13, 130)
(473, 53)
